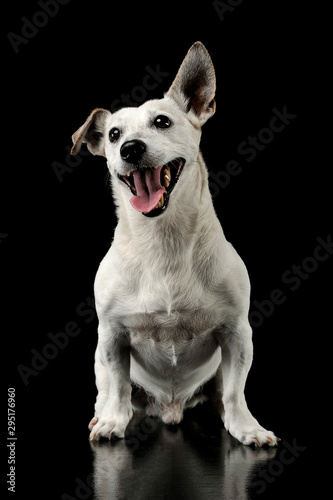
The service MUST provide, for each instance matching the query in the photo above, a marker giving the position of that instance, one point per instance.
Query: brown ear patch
(212, 107)
(91, 132)
(195, 83)
(196, 90)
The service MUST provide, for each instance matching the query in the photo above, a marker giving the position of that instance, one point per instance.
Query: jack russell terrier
(172, 294)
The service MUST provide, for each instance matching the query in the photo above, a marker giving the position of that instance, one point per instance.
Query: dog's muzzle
(151, 187)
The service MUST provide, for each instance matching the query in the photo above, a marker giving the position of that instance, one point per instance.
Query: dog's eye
(114, 134)
(162, 121)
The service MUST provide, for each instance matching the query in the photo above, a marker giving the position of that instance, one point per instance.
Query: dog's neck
(183, 224)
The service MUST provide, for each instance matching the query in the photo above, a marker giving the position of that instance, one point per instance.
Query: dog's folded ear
(92, 132)
(194, 86)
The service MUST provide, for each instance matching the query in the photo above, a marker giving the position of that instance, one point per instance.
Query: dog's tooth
(128, 174)
(161, 202)
(167, 177)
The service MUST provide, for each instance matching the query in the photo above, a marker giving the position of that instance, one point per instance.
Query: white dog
(172, 295)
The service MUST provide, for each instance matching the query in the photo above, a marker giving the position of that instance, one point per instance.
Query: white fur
(172, 295)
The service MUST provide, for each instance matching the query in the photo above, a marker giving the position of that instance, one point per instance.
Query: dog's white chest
(173, 382)
(173, 355)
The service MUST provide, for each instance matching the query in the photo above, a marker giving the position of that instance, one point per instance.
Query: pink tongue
(148, 188)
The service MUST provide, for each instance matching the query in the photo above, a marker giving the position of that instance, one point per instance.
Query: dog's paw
(244, 427)
(256, 436)
(108, 425)
(92, 422)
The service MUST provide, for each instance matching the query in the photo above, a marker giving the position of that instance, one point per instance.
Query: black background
(54, 234)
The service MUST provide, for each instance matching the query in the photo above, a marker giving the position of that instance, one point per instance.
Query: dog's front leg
(237, 352)
(113, 409)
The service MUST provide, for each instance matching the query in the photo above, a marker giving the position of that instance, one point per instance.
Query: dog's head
(152, 147)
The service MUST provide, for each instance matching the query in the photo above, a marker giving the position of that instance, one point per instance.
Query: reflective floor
(193, 461)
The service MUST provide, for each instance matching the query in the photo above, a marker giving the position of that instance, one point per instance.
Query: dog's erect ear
(195, 84)
(92, 132)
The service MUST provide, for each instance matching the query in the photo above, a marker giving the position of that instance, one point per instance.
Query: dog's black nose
(132, 151)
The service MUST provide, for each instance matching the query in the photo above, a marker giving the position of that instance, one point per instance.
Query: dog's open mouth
(151, 187)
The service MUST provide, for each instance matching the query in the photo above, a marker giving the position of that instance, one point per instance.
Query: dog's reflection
(194, 460)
